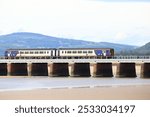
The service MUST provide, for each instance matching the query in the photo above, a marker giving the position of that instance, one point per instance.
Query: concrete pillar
(145, 70)
(80, 70)
(138, 69)
(49, 65)
(114, 68)
(126, 70)
(29, 69)
(92, 69)
(8, 69)
(102, 70)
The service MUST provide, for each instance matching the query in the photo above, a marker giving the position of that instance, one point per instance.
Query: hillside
(34, 40)
(144, 50)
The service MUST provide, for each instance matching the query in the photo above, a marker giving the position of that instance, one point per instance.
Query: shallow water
(28, 83)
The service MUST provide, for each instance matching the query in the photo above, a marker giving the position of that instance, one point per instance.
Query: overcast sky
(119, 21)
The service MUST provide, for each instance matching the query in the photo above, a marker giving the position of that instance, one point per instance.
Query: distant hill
(144, 50)
(34, 40)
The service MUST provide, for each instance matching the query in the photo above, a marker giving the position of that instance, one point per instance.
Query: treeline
(144, 50)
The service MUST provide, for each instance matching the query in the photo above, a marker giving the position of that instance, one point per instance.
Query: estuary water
(30, 83)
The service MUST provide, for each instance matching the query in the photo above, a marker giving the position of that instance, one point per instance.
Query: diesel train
(60, 53)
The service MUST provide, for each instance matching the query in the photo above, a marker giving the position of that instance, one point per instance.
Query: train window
(21, 52)
(62, 51)
(74, 52)
(79, 51)
(84, 51)
(26, 52)
(36, 52)
(41, 52)
(31, 52)
(47, 52)
(68, 51)
(90, 51)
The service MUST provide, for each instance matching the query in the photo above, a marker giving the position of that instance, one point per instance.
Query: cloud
(99, 20)
(120, 36)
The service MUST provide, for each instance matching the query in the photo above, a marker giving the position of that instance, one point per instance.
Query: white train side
(59, 53)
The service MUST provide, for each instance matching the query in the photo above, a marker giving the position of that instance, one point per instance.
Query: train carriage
(86, 52)
(30, 53)
(60, 53)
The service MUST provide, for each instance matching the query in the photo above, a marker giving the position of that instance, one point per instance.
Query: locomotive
(60, 53)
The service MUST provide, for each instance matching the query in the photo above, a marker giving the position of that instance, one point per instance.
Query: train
(60, 53)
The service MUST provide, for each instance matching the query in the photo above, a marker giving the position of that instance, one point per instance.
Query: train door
(107, 52)
(51, 53)
(57, 52)
(104, 52)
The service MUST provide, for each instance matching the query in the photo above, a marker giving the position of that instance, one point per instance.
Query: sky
(117, 21)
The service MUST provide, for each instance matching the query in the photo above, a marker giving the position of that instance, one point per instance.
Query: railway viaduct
(118, 67)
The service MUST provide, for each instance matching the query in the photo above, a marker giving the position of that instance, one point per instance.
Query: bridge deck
(73, 60)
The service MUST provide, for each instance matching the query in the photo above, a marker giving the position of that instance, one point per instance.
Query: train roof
(31, 49)
(81, 48)
(54, 48)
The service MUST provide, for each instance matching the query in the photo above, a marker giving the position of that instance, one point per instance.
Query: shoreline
(126, 92)
(74, 87)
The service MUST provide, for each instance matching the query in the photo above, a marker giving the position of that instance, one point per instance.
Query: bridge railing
(114, 57)
(131, 57)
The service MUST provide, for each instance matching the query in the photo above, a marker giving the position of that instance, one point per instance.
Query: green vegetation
(143, 50)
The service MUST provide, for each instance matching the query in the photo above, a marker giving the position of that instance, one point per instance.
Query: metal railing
(131, 57)
(114, 57)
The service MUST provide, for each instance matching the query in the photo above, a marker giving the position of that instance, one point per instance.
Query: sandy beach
(138, 92)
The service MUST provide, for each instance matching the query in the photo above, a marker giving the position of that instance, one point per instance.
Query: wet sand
(139, 92)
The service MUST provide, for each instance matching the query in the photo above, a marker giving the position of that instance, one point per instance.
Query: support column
(92, 69)
(50, 69)
(71, 69)
(9, 69)
(29, 69)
